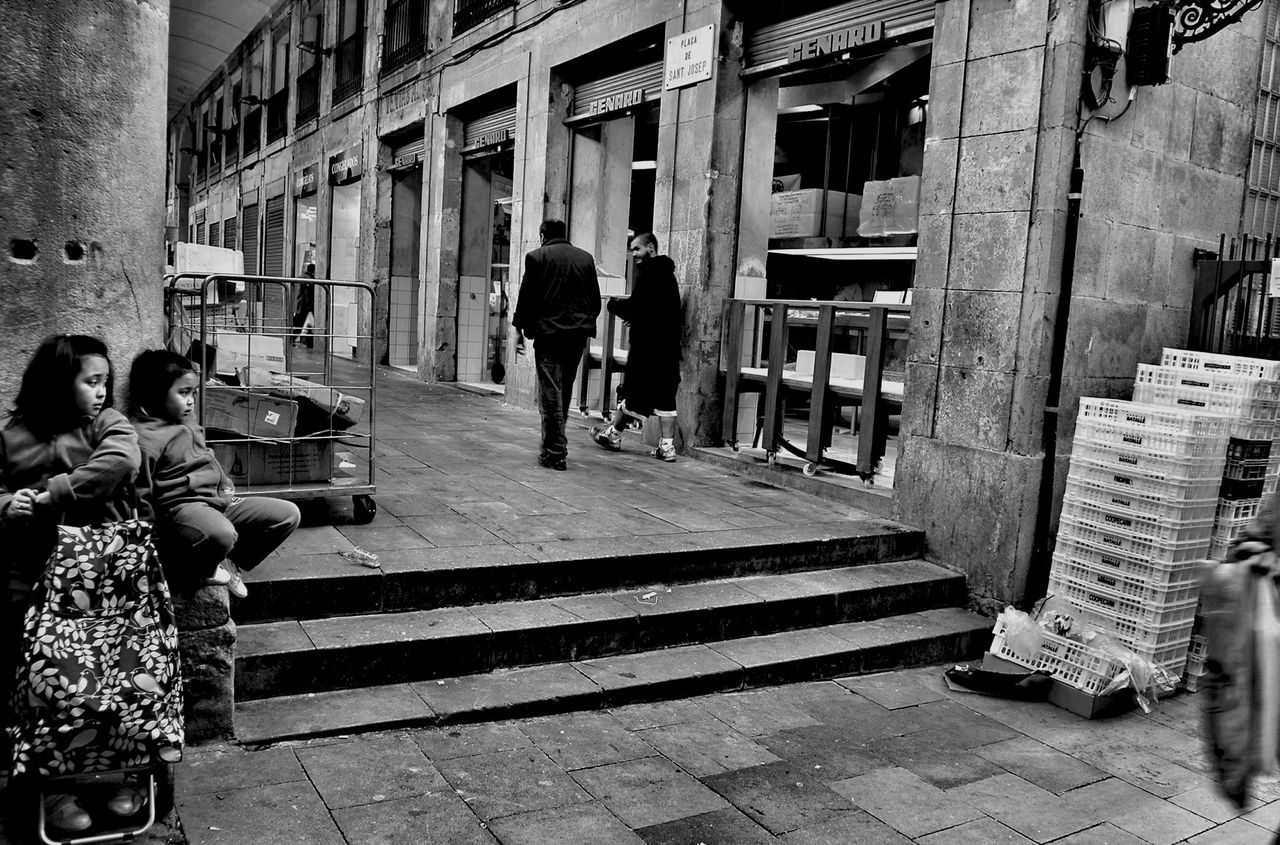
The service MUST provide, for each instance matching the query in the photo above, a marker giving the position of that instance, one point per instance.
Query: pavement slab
(720, 827)
(582, 740)
(321, 713)
(893, 690)
(781, 797)
(370, 769)
(756, 712)
(648, 791)
(290, 813)
(977, 832)
(906, 802)
(1020, 805)
(934, 755)
(653, 714)
(847, 828)
(670, 672)
(1048, 768)
(504, 783)
(470, 740)
(707, 747)
(505, 692)
(1138, 812)
(590, 822)
(220, 767)
(435, 818)
(825, 752)
(1102, 834)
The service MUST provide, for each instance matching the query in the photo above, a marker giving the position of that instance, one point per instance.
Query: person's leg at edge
(667, 435)
(570, 358)
(261, 524)
(552, 406)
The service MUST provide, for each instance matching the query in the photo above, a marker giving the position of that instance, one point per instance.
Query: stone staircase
(475, 633)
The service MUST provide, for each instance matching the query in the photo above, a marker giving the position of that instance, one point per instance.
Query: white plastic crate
(1207, 466)
(1202, 381)
(1152, 418)
(1199, 647)
(1250, 429)
(1071, 662)
(1127, 501)
(1142, 637)
(1119, 521)
(1235, 511)
(1154, 572)
(1152, 442)
(1220, 363)
(1269, 485)
(1138, 548)
(1178, 605)
(1211, 394)
(1116, 578)
(1155, 485)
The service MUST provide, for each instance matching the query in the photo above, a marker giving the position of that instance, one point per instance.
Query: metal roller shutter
(647, 77)
(273, 298)
(249, 239)
(215, 234)
(494, 122)
(200, 226)
(229, 234)
(408, 154)
(770, 46)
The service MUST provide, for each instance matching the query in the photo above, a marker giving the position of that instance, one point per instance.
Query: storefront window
(344, 264)
(485, 264)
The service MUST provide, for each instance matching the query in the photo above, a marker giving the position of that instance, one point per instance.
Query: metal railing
(348, 76)
(1231, 311)
(787, 349)
(308, 94)
(404, 36)
(278, 115)
(469, 14)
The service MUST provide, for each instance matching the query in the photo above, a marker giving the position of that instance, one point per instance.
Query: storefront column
(696, 211)
(992, 212)
(82, 205)
(437, 352)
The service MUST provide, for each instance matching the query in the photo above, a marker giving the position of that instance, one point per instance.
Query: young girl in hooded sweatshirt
(201, 525)
(66, 458)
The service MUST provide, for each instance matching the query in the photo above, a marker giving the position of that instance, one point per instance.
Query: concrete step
(314, 585)
(851, 648)
(316, 655)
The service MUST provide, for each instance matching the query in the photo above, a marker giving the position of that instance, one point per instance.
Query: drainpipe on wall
(1038, 574)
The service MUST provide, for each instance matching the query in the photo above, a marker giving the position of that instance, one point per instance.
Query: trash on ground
(362, 557)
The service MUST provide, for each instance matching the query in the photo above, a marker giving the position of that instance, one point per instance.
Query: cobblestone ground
(880, 759)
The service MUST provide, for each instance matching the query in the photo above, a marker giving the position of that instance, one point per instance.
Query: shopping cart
(288, 409)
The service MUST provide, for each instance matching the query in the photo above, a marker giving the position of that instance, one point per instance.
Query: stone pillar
(207, 642)
(82, 126)
(992, 214)
(696, 210)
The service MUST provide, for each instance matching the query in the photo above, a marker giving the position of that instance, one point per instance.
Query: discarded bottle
(360, 556)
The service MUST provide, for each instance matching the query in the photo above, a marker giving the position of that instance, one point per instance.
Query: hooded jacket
(177, 468)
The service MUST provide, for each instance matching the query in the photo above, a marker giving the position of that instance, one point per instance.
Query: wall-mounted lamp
(253, 100)
(314, 48)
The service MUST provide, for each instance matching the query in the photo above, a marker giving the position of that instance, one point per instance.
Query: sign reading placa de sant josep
(838, 41)
(690, 57)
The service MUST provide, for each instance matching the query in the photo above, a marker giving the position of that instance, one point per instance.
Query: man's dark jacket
(559, 294)
(653, 357)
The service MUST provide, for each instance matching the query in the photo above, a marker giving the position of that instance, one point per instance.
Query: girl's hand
(23, 503)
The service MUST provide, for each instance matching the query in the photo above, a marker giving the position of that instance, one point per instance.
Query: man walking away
(557, 309)
(653, 355)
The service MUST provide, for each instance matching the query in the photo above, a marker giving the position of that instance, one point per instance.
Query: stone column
(82, 126)
(207, 641)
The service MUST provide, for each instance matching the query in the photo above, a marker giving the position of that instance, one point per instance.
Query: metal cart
(288, 409)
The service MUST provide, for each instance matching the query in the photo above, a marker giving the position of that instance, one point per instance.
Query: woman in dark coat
(653, 357)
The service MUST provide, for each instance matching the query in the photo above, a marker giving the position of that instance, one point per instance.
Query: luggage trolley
(288, 410)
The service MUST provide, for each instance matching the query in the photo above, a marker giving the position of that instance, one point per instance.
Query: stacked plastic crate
(1248, 390)
(1137, 517)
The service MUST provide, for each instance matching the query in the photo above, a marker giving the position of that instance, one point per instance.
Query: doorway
(406, 230)
(484, 265)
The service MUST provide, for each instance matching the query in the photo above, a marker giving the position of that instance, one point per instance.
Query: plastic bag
(1022, 635)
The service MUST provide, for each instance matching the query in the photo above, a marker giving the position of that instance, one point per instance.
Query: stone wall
(206, 642)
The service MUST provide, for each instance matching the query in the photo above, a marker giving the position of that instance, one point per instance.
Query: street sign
(690, 57)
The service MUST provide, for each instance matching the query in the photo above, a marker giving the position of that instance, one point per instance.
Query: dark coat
(657, 324)
(559, 294)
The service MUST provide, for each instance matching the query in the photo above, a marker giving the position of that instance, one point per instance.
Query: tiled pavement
(883, 759)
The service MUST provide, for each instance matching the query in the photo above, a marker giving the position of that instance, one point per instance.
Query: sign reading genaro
(837, 42)
(625, 100)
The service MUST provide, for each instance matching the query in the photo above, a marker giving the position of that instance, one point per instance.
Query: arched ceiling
(201, 34)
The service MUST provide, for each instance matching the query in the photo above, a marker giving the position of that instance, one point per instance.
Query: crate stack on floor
(1137, 517)
(1248, 391)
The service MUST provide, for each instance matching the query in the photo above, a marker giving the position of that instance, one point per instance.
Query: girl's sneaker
(63, 812)
(221, 576)
(665, 452)
(607, 437)
(236, 585)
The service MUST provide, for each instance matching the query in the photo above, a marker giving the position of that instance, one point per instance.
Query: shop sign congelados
(345, 166)
(837, 42)
(625, 100)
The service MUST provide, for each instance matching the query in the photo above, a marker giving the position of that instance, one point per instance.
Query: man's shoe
(607, 438)
(665, 453)
(553, 463)
(64, 813)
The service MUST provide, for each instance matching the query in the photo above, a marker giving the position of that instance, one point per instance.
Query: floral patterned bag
(99, 682)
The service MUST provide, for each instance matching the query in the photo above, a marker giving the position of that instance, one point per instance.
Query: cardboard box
(1068, 697)
(236, 350)
(255, 463)
(892, 207)
(798, 214)
(346, 410)
(250, 414)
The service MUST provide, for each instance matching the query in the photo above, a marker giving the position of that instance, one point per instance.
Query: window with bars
(310, 54)
(1262, 200)
(348, 72)
(231, 135)
(468, 14)
(405, 34)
